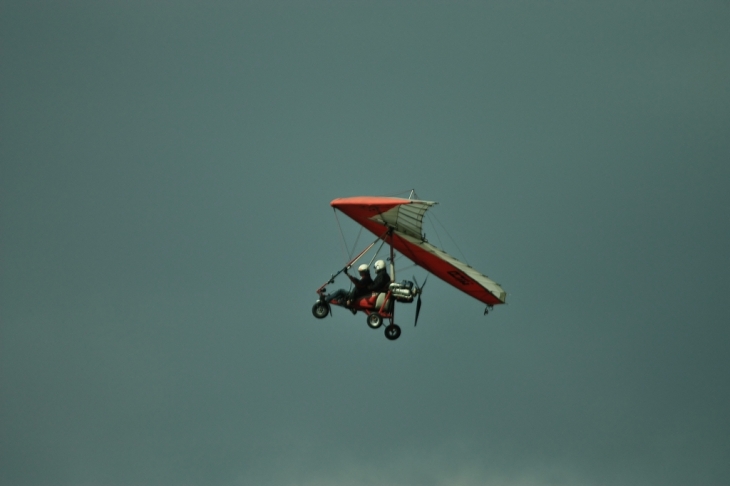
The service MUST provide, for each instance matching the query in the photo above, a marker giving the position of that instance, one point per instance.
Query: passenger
(382, 279)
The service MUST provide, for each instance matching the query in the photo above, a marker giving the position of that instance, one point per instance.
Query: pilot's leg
(340, 296)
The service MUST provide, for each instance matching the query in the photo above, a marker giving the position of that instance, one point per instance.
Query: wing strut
(392, 273)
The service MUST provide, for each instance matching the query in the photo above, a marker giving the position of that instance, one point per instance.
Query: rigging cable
(376, 253)
(354, 245)
(343, 244)
(452, 240)
(400, 193)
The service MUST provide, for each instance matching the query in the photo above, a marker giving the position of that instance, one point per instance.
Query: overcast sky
(166, 170)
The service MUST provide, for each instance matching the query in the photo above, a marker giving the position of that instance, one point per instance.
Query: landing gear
(320, 309)
(374, 320)
(392, 332)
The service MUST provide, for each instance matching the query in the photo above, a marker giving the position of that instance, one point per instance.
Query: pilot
(362, 287)
(382, 279)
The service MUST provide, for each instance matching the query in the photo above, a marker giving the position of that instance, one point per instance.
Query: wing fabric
(405, 217)
(450, 270)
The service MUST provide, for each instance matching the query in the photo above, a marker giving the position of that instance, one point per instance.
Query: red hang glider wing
(405, 217)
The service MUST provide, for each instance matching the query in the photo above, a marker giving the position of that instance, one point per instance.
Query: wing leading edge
(405, 217)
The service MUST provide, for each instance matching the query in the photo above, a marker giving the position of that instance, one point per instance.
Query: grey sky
(166, 170)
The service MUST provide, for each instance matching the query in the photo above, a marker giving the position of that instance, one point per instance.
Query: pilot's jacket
(362, 285)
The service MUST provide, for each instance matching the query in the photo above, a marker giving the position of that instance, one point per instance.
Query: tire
(375, 321)
(320, 309)
(392, 332)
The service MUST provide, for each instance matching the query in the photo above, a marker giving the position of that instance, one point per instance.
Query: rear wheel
(320, 309)
(392, 332)
(375, 321)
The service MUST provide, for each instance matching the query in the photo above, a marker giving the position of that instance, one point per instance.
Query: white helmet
(363, 268)
(379, 265)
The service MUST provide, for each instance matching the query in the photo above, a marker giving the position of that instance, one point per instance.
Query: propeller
(419, 290)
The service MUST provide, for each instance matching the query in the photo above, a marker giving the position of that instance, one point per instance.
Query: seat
(380, 300)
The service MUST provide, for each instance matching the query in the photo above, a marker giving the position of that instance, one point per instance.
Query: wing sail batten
(406, 218)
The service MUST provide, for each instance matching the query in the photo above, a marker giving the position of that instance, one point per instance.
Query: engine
(402, 292)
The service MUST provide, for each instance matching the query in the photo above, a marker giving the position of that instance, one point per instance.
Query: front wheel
(392, 332)
(320, 309)
(375, 321)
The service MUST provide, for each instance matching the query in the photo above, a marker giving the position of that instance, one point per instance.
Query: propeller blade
(419, 291)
